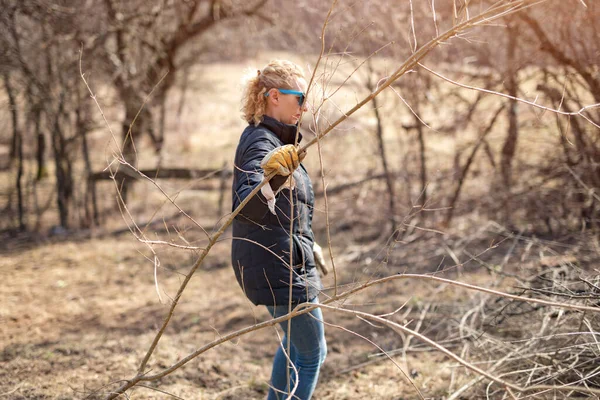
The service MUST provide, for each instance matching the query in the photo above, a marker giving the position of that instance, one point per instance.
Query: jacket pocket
(299, 256)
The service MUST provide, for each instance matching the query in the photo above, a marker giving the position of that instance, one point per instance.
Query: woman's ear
(273, 96)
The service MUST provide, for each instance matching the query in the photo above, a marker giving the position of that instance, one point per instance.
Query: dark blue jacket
(260, 252)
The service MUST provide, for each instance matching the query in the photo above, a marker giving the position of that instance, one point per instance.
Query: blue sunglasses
(300, 95)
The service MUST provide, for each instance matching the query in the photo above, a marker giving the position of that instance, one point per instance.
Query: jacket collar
(285, 132)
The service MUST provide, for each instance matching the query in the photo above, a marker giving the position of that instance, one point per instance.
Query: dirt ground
(79, 314)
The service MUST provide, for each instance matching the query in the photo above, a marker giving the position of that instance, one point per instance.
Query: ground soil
(78, 314)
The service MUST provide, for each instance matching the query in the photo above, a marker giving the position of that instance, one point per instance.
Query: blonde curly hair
(276, 74)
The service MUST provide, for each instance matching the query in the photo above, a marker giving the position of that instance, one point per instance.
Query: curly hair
(276, 74)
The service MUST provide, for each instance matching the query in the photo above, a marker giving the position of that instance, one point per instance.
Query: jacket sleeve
(249, 174)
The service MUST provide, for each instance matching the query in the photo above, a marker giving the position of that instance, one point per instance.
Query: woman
(272, 104)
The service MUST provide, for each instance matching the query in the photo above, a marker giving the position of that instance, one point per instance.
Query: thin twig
(557, 111)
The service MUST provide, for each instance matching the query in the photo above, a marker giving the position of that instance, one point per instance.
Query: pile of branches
(536, 346)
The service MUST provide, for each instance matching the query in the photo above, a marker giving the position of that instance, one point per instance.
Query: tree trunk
(64, 179)
(388, 177)
(16, 147)
(15, 117)
(422, 156)
(91, 215)
(158, 137)
(510, 143)
(130, 130)
(386, 170)
(42, 172)
(404, 163)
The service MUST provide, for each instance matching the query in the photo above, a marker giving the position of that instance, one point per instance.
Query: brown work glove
(319, 259)
(283, 160)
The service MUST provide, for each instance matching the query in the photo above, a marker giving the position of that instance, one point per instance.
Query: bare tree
(49, 80)
(382, 154)
(145, 43)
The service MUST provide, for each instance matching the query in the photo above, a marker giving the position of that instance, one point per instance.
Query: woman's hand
(283, 160)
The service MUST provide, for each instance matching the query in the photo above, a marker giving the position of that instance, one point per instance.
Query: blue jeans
(308, 350)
